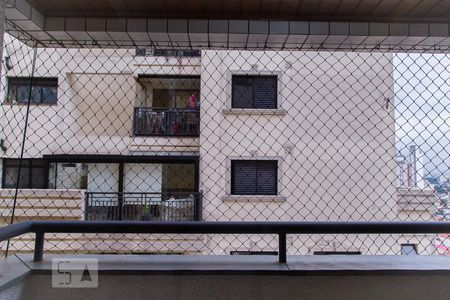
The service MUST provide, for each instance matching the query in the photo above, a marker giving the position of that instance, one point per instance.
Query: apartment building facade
(216, 135)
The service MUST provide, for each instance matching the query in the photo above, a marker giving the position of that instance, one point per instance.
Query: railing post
(282, 247)
(120, 200)
(86, 205)
(198, 207)
(135, 120)
(39, 246)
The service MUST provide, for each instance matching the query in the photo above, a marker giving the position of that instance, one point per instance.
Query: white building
(411, 170)
(277, 136)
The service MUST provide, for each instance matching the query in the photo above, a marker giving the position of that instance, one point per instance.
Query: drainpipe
(2, 30)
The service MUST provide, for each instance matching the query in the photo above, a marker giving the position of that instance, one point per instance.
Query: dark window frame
(122, 159)
(26, 163)
(234, 97)
(14, 83)
(234, 164)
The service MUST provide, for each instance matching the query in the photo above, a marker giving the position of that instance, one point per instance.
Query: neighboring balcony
(180, 206)
(166, 122)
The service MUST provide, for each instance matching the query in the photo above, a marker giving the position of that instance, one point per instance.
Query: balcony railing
(282, 229)
(166, 122)
(180, 206)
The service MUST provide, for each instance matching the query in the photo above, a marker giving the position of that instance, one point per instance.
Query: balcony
(181, 206)
(171, 122)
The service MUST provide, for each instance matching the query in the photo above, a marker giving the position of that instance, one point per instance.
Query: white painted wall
(140, 178)
(103, 177)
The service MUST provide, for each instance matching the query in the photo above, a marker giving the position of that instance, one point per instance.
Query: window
(337, 253)
(178, 180)
(254, 91)
(167, 52)
(43, 90)
(67, 175)
(32, 176)
(253, 253)
(177, 53)
(408, 249)
(254, 177)
(172, 98)
(172, 91)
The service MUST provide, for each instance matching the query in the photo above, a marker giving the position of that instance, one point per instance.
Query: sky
(422, 107)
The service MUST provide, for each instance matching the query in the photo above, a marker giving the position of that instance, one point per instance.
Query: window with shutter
(254, 177)
(254, 91)
(265, 92)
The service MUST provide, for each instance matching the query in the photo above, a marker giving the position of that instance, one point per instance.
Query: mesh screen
(115, 133)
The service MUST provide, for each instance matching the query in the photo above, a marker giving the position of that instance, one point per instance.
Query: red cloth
(192, 102)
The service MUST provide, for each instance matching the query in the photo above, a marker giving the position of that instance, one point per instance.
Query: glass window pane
(408, 249)
(36, 94)
(49, 94)
(161, 98)
(243, 181)
(178, 177)
(37, 178)
(69, 175)
(12, 94)
(23, 93)
(242, 94)
(51, 175)
(182, 98)
(265, 92)
(11, 177)
(267, 177)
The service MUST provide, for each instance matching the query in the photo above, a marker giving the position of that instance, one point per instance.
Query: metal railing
(176, 206)
(40, 228)
(166, 122)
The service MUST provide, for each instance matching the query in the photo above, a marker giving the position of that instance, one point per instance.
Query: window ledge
(31, 104)
(253, 198)
(250, 111)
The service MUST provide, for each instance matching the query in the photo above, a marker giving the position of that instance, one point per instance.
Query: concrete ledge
(256, 265)
(416, 199)
(12, 272)
(250, 111)
(253, 198)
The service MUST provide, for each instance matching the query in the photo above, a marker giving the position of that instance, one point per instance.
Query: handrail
(14, 230)
(140, 193)
(279, 228)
